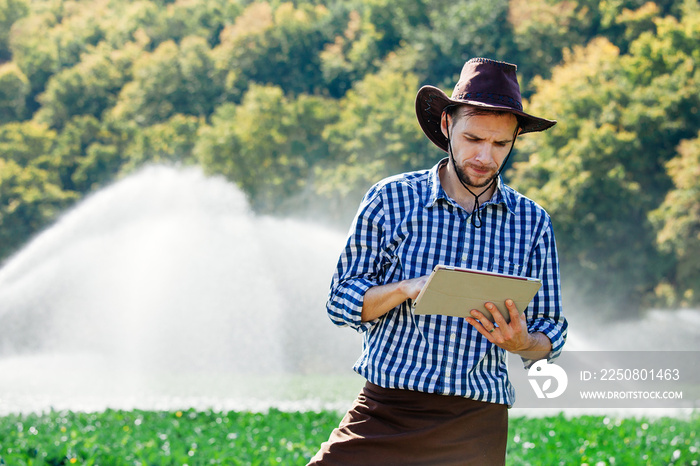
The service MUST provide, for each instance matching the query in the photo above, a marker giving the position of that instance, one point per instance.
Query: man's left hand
(513, 336)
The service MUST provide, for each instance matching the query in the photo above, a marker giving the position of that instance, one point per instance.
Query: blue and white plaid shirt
(405, 226)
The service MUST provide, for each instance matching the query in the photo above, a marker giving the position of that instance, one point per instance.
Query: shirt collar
(504, 194)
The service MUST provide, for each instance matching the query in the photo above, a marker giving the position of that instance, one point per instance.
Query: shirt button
(453, 336)
(464, 257)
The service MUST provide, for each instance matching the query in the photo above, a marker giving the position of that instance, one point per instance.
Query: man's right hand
(413, 287)
(382, 298)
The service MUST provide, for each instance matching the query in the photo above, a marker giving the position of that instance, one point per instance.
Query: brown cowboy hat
(483, 83)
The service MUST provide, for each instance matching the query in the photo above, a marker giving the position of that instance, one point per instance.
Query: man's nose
(484, 155)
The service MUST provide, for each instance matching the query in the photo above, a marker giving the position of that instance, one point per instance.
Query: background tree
(36, 55)
(542, 29)
(455, 32)
(136, 21)
(351, 55)
(267, 144)
(10, 12)
(313, 100)
(170, 80)
(374, 29)
(376, 135)
(276, 46)
(88, 88)
(201, 18)
(14, 87)
(172, 141)
(678, 223)
(602, 171)
(30, 189)
(87, 153)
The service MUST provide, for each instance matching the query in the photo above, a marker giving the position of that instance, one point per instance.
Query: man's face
(480, 143)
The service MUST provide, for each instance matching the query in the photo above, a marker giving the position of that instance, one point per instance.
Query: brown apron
(402, 427)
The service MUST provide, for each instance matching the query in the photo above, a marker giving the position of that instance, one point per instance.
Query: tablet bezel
(455, 291)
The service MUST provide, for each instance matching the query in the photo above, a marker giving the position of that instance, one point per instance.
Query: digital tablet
(454, 291)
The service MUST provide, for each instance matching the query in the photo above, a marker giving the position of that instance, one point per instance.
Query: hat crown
(489, 81)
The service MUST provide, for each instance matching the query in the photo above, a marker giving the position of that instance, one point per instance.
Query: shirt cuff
(345, 304)
(551, 330)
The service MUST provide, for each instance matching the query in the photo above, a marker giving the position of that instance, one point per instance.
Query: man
(437, 388)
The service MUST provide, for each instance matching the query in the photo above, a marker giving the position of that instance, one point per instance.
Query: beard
(470, 181)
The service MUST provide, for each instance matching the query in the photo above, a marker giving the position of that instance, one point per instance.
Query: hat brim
(431, 103)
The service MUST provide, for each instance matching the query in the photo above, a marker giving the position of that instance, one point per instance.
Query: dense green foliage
(155, 438)
(231, 438)
(603, 440)
(601, 173)
(313, 100)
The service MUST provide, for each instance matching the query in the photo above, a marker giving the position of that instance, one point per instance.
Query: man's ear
(444, 121)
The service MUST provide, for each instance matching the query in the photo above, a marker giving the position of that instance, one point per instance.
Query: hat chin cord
(476, 217)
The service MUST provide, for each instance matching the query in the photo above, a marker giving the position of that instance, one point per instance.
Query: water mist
(162, 286)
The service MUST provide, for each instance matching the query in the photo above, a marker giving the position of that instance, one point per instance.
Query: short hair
(472, 110)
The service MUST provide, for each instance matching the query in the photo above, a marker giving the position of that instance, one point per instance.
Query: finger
(485, 323)
(514, 314)
(481, 317)
(497, 316)
(481, 329)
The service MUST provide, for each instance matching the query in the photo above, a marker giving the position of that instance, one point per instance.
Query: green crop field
(290, 438)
